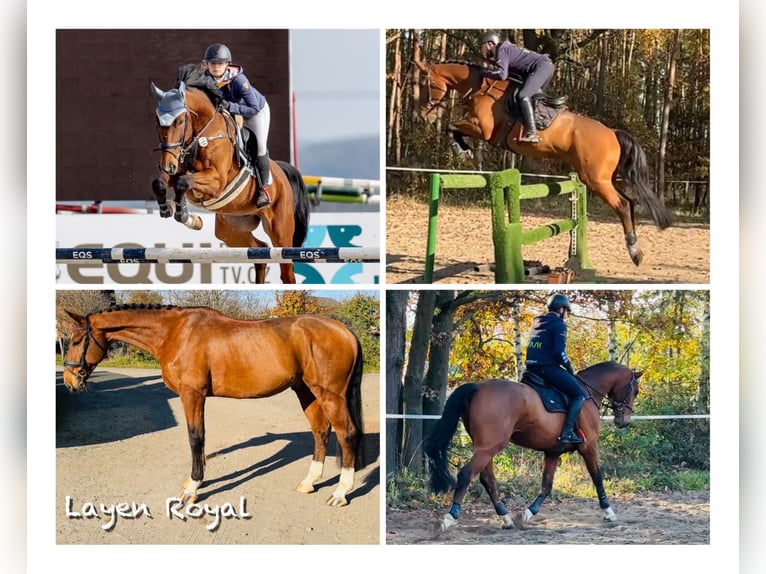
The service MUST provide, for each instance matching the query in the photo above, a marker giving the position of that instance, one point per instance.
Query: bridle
(82, 368)
(607, 401)
(185, 149)
(433, 102)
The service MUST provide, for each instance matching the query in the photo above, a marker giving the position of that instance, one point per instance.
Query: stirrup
(571, 437)
(262, 199)
(529, 137)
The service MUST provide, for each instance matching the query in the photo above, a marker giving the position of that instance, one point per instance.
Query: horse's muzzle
(170, 168)
(622, 421)
(75, 381)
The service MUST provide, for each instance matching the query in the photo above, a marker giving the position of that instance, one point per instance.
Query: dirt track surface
(677, 255)
(125, 441)
(647, 518)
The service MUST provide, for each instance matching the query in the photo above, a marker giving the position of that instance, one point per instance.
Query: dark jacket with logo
(244, 99)
(547, 342)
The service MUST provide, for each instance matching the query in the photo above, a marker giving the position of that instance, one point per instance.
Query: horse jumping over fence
(497, 412)
(200, 159)
(204, 353)
(610, 162)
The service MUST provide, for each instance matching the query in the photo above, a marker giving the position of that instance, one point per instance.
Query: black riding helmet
(217, 54)
(557, 301)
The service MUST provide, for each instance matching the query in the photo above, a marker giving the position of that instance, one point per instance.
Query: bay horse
(497, 412)
(202, 159)
(204, 353)
(610, 162)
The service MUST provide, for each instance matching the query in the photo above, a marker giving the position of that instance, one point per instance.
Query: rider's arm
(247, 101)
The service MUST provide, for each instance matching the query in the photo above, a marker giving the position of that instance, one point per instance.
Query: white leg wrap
(447, 521)
(315, 473)
(609, 515)
(528, 515)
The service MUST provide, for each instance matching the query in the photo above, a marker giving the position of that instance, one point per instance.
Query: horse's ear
(182, 89)
(638, 374)
(72, 319)
(157, 92)
(422, 66)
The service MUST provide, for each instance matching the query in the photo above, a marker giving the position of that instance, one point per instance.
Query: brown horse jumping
(610, 162)
(204, 353)
(200, 158)
(497, 412)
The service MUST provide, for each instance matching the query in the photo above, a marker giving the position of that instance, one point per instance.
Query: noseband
(81, 368)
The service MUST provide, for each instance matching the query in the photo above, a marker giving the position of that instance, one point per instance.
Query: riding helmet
(490, 37)
(217, 53)
(557, 301)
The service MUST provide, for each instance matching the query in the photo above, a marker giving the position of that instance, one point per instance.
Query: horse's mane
(132, 306)
(473, 65)
(195, 77)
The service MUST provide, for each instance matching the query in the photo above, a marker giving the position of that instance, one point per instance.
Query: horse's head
(621, 397)
(431, 91)
(87, 349)
(173, 126)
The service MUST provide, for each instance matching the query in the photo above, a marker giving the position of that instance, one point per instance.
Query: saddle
(554, 400)
(546, 109)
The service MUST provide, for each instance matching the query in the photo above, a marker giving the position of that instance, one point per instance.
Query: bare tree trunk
(438, 360)
(395, 106)
(702, 400)
(516, 316)
(666, 114)
(396, 329)
(413, 381)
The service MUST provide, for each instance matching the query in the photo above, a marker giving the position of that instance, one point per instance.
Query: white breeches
(259, 123)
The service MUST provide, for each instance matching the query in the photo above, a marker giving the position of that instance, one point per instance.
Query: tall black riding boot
(530, 130)
(262, 165)
(568, 434)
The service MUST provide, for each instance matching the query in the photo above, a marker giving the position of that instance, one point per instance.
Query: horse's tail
(354, 403)
(437, 443)
(301, 207)
(633, 170)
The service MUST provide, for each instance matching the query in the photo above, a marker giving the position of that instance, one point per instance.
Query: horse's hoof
(304, 488)
(187, 499)
(521, 519)
(609, 515)
(337, 502)
(636, 255)
(507, 522)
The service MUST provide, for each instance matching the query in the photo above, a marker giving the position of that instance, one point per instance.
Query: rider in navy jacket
(244, 100)
(535, 69)
(547, 358)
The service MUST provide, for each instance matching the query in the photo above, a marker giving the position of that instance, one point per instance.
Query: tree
(290, 303)
(396, 330)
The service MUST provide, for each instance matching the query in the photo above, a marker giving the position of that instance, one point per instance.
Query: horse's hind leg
(623, 207)
(487, 478)
(335, 409)
(550, 463)
(477, 464)
(237, 231)
(590, 456)
(320, 428)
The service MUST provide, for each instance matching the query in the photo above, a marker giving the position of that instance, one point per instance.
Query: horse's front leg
(550, 463)
(182, 215)
(160, 189)
(469, 127)
(193, 402)
(590, 456)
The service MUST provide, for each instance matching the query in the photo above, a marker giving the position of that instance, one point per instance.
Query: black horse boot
(262, 165)
(530, 130)
(568, 434)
